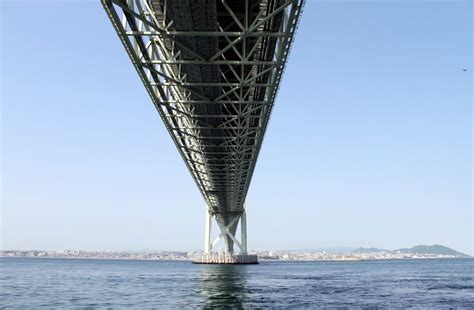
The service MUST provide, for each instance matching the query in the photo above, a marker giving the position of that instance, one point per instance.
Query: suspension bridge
(212, 68)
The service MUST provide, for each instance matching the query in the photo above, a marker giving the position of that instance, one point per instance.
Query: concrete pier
(225, 259)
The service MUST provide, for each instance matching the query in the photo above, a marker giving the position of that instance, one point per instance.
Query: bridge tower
(212, 69)
(227, 233)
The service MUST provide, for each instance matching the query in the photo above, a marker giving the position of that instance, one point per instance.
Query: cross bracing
(212, 69)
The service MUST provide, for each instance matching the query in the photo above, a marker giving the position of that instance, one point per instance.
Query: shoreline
(261, 260)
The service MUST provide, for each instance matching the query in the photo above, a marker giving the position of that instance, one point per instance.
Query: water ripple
(58, 283)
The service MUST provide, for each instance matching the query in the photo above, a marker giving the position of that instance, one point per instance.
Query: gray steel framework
(212, 70)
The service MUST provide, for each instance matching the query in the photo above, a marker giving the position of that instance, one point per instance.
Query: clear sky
(369, 144)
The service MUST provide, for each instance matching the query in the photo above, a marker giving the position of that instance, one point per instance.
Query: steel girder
(212, 70)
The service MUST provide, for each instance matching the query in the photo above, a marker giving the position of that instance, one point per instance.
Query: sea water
(87, 283)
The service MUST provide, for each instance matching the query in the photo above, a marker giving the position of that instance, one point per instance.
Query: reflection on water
(224, 285)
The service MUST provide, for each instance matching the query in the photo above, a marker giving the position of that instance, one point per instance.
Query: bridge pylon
(228, 235)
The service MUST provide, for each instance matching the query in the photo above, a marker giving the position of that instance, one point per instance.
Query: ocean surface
(81, 283)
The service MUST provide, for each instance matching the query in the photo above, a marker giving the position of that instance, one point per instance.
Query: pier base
(225, 259)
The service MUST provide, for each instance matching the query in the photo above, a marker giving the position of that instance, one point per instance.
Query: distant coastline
(360, 254)
(185, 259)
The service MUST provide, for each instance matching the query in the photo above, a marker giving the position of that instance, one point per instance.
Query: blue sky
(369, 144)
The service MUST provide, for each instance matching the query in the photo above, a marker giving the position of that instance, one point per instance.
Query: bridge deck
(212, 69)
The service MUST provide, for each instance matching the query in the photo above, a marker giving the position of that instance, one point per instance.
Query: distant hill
(369, 250)
(435, 249)
(432, 249)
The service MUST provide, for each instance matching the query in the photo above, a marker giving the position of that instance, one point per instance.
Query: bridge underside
(212, 70)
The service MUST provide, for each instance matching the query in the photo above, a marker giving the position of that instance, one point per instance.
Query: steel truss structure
(212, 69)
